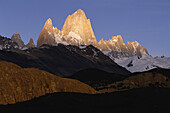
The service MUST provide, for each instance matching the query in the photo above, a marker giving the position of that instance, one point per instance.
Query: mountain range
(62, 60)
(69, 71)
(77, 30)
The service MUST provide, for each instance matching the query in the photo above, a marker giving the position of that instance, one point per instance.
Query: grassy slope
(20, 84)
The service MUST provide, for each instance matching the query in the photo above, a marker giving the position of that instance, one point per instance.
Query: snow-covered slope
(146, 62)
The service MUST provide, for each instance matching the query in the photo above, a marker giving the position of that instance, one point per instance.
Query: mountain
(30, 43)
(77, 30)
(50, 35)
(7, 44)
(16, 38)
(20, 84)
(145, 63)
(62, 60)
(117, 48)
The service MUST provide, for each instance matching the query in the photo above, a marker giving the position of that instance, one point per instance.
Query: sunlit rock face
(116, 43)
(30, 43)
(16, 38)
(118, 47)
(78, 30)
(49, 34)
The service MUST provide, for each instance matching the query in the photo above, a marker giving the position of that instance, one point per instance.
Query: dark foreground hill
(143, 100)
(62, 60)
(109, 82)
(96, 78)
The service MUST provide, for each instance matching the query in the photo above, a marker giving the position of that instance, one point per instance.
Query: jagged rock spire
(17, 38)
(78, 27)
(30, 43)
(77, 30)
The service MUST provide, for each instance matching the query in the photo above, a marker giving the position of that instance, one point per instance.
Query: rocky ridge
(77, 30)
(7, 44)
(17, 38)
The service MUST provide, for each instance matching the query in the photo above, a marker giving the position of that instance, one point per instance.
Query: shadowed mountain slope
(95, 77)
(62, 60)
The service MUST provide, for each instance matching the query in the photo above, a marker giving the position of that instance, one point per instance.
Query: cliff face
(117, 47)
(20, 84)
(17, 38)
(45, 37)
(77, 30)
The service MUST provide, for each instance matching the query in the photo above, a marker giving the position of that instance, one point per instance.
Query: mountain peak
(48, 23)
(78, 28)
(31, 40)
(17, 38)
(30, 43)
(79, 11)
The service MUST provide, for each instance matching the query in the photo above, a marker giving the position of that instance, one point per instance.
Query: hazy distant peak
(17, 38)
(30, 43)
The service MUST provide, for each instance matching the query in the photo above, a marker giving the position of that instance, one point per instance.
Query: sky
(144, 21)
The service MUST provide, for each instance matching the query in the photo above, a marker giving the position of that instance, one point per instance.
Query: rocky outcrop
(30, 44)
(50, 35)
(7, 44)
(16, 38)
(20, 84)
(116, 48)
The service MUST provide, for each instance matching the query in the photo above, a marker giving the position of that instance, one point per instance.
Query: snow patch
(144, 63)
(115, 40)
(24, 48)
(74, 35)
(82, 47)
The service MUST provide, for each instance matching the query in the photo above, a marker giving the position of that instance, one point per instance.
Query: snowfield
(145, 63)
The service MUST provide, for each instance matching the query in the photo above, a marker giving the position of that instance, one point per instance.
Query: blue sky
(146, 21)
